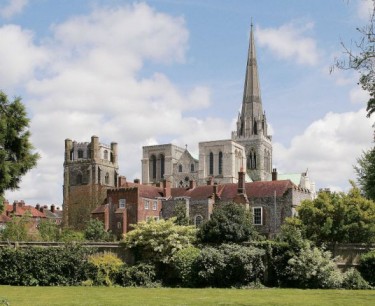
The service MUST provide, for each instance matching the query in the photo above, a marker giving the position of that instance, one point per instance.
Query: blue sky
(166, 71)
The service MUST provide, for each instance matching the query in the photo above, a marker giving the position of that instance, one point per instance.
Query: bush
(354, 280)
(44, 266)
(313, 268)
(143, 275)
(103, 268)
(182, 265)
(367, 267)
(228, 265)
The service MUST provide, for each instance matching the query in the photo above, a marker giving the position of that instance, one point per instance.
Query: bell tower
(252, 122)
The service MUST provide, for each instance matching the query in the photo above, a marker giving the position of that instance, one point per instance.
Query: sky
(168, 71)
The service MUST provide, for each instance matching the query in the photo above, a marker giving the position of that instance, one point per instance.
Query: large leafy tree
(366, 173)
(95, 231)
(229, 222)
(338, 217)
(16, 151)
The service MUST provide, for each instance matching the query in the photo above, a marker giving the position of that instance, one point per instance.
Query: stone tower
(252, 123)
(89, 169)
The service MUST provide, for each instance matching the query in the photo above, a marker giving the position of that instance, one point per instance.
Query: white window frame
(147, 204)
(261, 215)
(121, 203)
(155, 205)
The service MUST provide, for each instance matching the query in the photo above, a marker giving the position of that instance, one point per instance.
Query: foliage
(180, 213)
(159, 240)
(363, 59)
(16, 157)
(49, 230)
(354, 280)
(17, 229)
(313, 268)
(70, 235)
(367, 267)
(182, 263)
(365, 170)
(44, 266)
(229, 222)
(104, 268)
(338, 217)
(141, 275)
(95, 231)
(228, 265)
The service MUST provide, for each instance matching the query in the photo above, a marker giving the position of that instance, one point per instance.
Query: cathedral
(249, 149)
(238, 170)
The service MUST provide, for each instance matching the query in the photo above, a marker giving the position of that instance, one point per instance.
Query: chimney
(14, 206)
(122, 181)
(137, 181)
(241, 183)
(57, 208)
(192, 184)
(274, 174)
(52, 208)
(37, 206)
(166, 188)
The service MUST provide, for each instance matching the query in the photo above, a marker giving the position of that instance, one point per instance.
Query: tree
(157, 241)
(16, 157)
(338, 217)
(95, 231)
(17, 229)
(366, 173)
(229, 222)
(48, 230)
(363, 60)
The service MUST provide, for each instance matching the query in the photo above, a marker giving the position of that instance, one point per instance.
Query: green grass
(165, 296)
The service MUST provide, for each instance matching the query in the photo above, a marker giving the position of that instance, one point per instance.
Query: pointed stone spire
(252, 102)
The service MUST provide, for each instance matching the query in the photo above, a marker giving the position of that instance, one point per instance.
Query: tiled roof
(149, 192)
(22, 208)
(229, 191)
(4, 218)
(100, 209)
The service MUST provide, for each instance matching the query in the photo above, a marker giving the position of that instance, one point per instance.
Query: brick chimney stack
(52, 208)
(274, 174)
(166, 188)
(241, 183)
(192, 184)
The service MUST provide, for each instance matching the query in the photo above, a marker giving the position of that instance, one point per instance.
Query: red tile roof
(100, 209)
(22, 208)
(149, 192)
(4, 218)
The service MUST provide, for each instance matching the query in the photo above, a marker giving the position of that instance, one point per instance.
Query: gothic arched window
(162, 163)
(80, 153)
(211, 170)
(192, 168)
(220, 162)
(79, 179)
(106, 178)
(105, 154)
(198, 220)
(153, 166)
(255, 127)
(179, 168)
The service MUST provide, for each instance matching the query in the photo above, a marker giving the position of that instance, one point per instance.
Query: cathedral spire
(252, 102)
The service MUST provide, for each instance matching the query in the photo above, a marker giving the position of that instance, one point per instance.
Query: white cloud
(19, 56)
(290, 42)
(358, 95)
(328, 148)
(93, 85)
(12, 8)
(365, 9)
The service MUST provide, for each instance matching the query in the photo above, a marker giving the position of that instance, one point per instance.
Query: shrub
(44, 266)
(143, 275)
(95, 231)
(313, 268)
(367, 267)
(228, 265)
(354, 280)
(104, 267)
(182, 264)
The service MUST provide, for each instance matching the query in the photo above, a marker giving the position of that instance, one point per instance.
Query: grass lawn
(165, 296)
